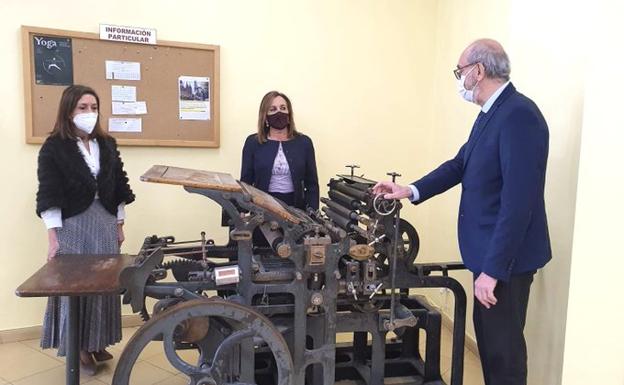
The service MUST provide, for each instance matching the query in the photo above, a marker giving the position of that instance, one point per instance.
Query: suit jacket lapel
(481, 127)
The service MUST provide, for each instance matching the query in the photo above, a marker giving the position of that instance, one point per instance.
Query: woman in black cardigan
(81, 197)
(278, 159)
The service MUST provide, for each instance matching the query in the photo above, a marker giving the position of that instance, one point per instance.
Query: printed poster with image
(53, 60)
(194, 97)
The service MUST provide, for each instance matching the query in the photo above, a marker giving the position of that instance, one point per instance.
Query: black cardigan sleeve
(247, 164)
(310, 180)
(50, 191)
(123, 192)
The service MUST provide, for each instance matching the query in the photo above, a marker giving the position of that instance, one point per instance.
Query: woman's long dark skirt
(92, 232)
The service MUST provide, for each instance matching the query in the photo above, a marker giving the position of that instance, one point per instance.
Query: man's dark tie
(476, 127)
(474, 135)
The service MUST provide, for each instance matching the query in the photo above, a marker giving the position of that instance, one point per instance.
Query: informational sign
(53, 60)
(127, 34)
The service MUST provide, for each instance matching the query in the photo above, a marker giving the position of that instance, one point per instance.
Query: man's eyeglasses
(458, 71)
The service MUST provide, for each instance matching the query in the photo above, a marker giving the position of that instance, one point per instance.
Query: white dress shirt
(488, 104)
(485, 108)
(53, 217)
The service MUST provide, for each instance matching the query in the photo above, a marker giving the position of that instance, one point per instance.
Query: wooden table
(73, 276)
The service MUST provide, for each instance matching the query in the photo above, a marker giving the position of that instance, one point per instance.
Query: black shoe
(87, 364)
(102, 356)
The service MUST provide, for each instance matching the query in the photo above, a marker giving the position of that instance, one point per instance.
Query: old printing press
(287, 283)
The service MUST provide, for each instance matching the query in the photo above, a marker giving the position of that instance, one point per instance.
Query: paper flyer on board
(123, 70)
(129, 108)
(125, 124)
(123, 93)
(194, 97)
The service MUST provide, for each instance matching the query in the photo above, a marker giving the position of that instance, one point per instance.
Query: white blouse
(53, 217)
(281, 181)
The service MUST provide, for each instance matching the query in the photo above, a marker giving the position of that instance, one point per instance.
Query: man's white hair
(493, 57)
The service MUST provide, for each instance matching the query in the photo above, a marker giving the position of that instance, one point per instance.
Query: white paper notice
(123, 93)
(124, 124)
(194, 97)
(129, 108)
(123, 70)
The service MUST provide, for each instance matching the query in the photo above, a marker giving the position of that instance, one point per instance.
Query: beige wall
(358, 73)
(594, 342)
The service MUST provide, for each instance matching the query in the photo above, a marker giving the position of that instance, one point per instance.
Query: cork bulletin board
(83, 55)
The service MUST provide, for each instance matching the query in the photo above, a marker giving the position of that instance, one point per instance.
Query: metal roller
(276, 240)
(359, 183)
(344, 211)
(344, 199)
(349, 191)
(335, 231)
(338, 219)
(343, 222)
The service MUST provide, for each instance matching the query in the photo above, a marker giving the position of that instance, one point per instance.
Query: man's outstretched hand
(392, 190)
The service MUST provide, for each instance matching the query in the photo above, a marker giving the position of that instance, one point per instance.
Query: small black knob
(352, 167)
(394, 175)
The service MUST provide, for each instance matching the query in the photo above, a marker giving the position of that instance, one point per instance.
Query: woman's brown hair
(263, 126)
(64, 126)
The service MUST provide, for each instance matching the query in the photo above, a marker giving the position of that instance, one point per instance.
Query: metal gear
(213, 366)
(409, 241)
(180, 268)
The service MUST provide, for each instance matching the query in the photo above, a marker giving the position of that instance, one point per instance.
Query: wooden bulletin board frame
(161, 65)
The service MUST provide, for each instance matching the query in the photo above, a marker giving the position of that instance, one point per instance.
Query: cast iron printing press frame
(266, 308)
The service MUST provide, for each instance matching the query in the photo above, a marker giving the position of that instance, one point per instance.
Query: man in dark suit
(502, 227)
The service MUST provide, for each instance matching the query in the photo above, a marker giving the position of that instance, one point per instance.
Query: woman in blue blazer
(278, 159)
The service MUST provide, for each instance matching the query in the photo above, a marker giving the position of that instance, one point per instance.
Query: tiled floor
(23, 363)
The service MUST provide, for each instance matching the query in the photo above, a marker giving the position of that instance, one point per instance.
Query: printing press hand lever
(377, 239)
(352, 167)
(394, 175)
(375, 291)
(351, 288)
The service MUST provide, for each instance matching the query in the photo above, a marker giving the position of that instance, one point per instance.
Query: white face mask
(468, 95)
(86, 122)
